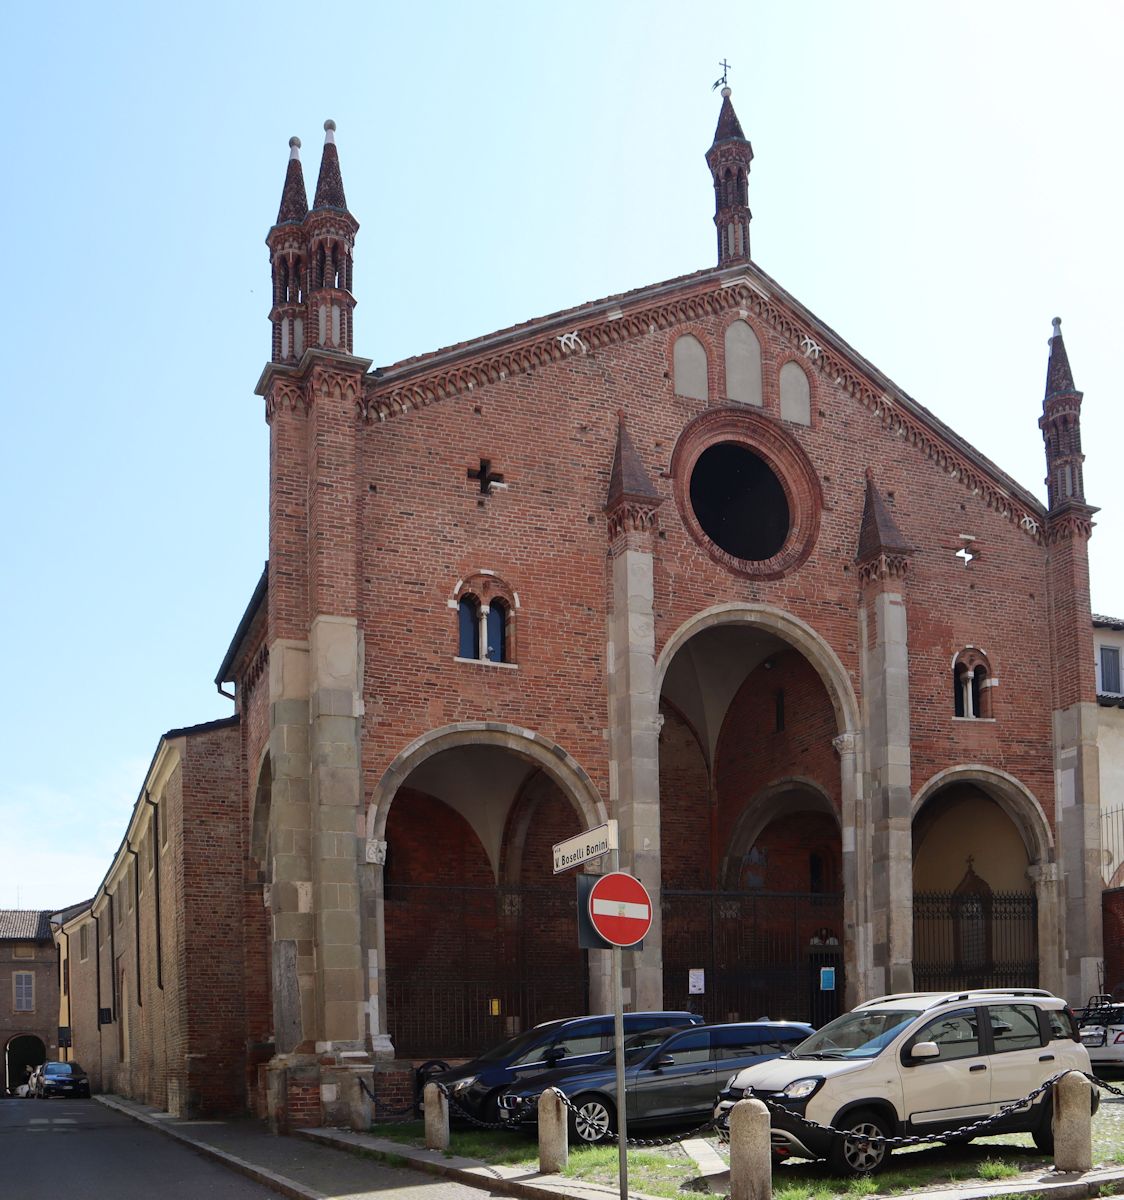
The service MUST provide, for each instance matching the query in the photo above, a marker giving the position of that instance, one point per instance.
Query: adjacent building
(29, 993)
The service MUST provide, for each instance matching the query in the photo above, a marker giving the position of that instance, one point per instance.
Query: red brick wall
(1112, 906)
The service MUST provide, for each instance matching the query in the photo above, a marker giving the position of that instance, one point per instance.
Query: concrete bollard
(1073, 1123)
(554, 1134)
(751, 1155)
(436, 1105)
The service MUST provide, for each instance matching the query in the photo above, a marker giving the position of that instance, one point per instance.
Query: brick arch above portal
(571, 777)
(797, 633)
(1014, 798)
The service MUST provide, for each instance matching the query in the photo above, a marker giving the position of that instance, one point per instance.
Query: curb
(278, 1183)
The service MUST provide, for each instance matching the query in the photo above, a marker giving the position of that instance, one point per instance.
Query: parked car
(672, 1076)
(915, 1064)
(1101, 1023)
(572, 1041)
(59, 1079)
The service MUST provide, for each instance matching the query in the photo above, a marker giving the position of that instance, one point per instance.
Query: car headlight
(462, 1085)
(801, 1089)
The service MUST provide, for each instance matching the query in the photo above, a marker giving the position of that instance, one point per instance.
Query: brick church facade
(680, 557)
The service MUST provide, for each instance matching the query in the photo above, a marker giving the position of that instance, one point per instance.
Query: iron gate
(970, 941)
(761, 954)
(468, 966)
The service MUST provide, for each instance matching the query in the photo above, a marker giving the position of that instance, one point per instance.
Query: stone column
(856, 871)
(634, 783)
(290, 892)
(888, 836)
(1047, 892)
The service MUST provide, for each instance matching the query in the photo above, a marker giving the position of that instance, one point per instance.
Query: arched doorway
(23, 1052)
(751, 801)
(975, 912)
(478, 937)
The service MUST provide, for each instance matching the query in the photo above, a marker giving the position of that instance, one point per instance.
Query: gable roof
(25, 925)
(416, 383)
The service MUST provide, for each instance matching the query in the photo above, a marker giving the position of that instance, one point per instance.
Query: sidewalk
(312, 1165)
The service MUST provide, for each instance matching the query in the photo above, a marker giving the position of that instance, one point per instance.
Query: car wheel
(592, 1119)
(852, 1153)
(1043, 1132)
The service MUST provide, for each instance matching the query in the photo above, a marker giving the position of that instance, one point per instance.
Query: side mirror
(665, 1060)
(553, 1054)
(925, 1050)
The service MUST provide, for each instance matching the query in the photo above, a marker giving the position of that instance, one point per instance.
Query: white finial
(329, 131)
(295, 148)
(725, 93)
(1057, 327)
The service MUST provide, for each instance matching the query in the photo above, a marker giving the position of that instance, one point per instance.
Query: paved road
(80, 1150)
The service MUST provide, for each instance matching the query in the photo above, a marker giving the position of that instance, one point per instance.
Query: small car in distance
(672, 1076)
(572, 1041)
(59, 1079)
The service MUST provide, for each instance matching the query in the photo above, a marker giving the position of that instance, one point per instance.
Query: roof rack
(935, 998)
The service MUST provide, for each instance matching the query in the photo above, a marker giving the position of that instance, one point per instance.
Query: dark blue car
(672, 1076)
(474, 1087)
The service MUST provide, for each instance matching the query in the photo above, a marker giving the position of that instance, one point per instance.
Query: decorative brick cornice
(428, 384)
(328, 381)
(255, 670)
(1064, 526)
(284, 394)
(885, 566)
(631, 517)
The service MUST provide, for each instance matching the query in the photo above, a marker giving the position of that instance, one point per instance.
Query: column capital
(845, 743)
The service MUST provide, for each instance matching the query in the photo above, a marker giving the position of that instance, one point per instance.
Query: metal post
(618, 1038)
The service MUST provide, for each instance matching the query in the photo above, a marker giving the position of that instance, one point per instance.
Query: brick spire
(331, 233)
(288, 258)
(728, 158)
(294, 198)
(329, 186)
(632, 499)
(882, 547)
(1061, 429)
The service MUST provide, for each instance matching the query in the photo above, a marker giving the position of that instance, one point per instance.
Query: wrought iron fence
(962, 941)
(761, 953)
(468, 966)
(1112, 847)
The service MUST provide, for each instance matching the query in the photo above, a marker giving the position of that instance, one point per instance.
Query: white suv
(925, 1062)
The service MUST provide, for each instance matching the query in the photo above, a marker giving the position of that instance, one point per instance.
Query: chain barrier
(380, 1108)
(720, 1127)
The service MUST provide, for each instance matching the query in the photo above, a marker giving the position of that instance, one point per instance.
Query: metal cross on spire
(721, 82)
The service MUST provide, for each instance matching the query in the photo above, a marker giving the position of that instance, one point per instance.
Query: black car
(575, 1041)
(671, 1076)
(60, 1079)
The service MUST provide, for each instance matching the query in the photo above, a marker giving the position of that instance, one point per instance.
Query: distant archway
(23, 1052)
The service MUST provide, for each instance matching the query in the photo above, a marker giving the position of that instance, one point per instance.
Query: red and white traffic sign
(620, 909)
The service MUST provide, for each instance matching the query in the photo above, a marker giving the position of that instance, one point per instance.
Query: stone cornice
(582, 331)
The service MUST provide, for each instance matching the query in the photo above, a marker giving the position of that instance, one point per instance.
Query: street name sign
(620, 909)
(590, 844)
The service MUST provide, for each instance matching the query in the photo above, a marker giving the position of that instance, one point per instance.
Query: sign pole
(618, 1038)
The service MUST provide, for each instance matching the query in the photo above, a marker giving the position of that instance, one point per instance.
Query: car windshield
(64, 1069)
(516, 1047)
(862, 1034)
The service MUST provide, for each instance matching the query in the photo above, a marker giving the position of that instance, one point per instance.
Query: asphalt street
(80, 1150)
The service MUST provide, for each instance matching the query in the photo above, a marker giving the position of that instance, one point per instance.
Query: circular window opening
(739, 502)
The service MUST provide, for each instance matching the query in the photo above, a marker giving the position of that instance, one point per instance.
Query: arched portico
(757, 780)
(470, 935)
(22, 1052)
(986, 883)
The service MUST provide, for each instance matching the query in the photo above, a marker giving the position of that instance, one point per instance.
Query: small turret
(288, 256)
(331, 233)
(1061, 429)
(728, 158)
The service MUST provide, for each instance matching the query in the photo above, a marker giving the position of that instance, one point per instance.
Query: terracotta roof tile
(25, 924)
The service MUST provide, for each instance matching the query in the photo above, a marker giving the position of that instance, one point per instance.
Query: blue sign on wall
(827, 979)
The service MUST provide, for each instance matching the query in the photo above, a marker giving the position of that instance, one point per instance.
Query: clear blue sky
(936, 181)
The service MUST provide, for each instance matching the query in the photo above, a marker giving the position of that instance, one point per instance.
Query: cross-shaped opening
(486, 477)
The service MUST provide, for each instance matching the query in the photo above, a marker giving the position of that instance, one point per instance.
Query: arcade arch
(473, 931)
(753, 797)
(22, 1053)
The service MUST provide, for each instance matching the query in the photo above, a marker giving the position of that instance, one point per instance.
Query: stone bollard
(751, 1154)
(1073, 1123)
(554, 1134)
(436, 1118)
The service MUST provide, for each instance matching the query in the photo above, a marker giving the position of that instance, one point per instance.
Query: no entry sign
(620, 909)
